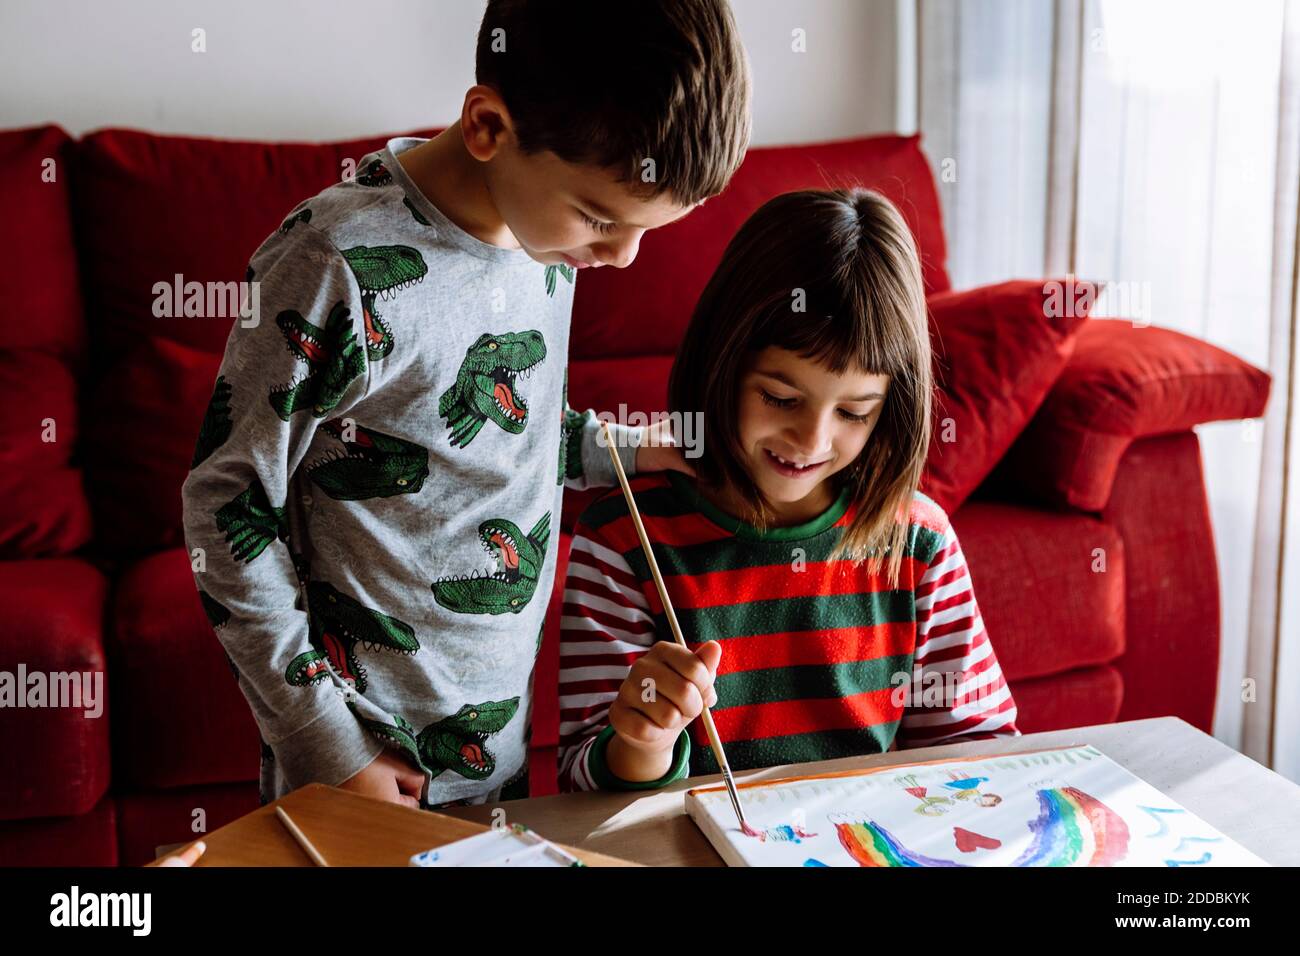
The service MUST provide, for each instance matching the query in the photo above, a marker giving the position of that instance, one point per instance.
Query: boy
(399, 409)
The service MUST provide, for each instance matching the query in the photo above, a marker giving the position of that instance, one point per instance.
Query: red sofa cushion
(145, 413)
(997, 351)
(1159, 506)
(54, 760)
(46, 512)
(89, 839)
(154, 818)
(644, 309)
(148, 206)
(1046, 604)
(1079, 698)
(179, 717)
(1124, 383)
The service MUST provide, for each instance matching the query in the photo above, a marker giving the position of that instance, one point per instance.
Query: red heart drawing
(918, 792)
(969, 842)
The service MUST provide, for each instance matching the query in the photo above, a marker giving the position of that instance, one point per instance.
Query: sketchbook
(1071, 806)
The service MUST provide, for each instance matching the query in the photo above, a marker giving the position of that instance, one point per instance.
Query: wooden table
(1248, 802)
(1244, 800)
(347, 829)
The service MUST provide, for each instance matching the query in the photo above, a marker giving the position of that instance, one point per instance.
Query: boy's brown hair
(852, 255)
(613, 83)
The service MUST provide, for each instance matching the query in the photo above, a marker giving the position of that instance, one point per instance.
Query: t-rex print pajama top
(369, 510)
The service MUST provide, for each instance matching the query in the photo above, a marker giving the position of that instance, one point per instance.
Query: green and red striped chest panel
(810, 643)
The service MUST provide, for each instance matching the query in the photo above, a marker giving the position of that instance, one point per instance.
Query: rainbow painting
(1074, 829)
(870, 844)
(1054, 807)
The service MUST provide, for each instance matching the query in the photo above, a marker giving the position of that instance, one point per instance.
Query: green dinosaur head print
(456, 743)
(552, 271)
(337, 623)
(250, 522)
(486, 386)
(459, 742)
(508, 588)
(372, 465)
(216, 425)
(302, 215)
(217, 613)
(332, 357)
(382, 271)
(571, 427)
(415, 213)
(399, 734)
(374, 173)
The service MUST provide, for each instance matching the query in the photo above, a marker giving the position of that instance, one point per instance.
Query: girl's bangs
(863, 335)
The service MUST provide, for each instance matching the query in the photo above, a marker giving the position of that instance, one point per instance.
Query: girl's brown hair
(847, 257)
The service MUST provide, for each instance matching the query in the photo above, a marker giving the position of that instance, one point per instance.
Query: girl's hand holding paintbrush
(667, 688)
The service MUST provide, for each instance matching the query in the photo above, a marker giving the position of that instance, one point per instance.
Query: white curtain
(1153, 144)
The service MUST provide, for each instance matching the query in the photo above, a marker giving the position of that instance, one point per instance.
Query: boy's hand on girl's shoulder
(658, 450)
(667, 688)
(390, 778)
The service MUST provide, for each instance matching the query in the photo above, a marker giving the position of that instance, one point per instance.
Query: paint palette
(515, 845)
(1071, 806)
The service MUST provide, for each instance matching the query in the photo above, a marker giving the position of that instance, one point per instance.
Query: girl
(826, 600)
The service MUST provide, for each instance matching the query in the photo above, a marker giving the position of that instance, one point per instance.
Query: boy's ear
(485, 122)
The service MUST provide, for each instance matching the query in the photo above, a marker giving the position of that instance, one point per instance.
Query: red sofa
(102, 401)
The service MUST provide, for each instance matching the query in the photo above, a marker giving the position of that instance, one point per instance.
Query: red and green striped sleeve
(605, 625)
(953, 651)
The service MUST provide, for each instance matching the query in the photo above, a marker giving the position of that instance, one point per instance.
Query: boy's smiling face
(573, 214)
(799, 423)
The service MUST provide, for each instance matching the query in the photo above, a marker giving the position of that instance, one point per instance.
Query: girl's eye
(850, 417)
(601, 227)
(771, 399)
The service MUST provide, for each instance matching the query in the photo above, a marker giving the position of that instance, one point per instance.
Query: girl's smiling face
(800, 423)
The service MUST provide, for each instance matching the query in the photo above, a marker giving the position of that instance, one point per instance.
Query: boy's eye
(601, 227)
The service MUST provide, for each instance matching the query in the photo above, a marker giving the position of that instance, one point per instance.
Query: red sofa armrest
(1124, 383)
(55, 759)
(1161, 510)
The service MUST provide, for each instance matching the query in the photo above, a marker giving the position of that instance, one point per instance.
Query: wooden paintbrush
(307, 846)
(707, 716)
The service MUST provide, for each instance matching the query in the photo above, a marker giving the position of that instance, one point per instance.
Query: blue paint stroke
(1185, 840)
(1152, 811)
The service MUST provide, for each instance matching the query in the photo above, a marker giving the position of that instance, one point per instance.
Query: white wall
(330, 69)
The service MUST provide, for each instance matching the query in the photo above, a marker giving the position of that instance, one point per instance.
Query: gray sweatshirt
(373, 508)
